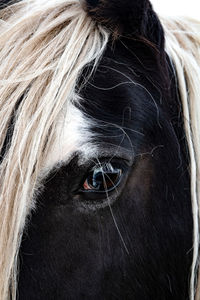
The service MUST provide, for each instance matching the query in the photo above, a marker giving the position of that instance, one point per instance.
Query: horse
(99, 140)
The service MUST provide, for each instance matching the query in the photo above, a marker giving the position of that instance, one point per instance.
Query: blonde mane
(183, 46)
(44, 46)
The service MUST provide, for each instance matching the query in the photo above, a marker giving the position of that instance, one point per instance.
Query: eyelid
(118, 153)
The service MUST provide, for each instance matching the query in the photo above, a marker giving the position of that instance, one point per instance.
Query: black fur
(72, 252)
(132, 18)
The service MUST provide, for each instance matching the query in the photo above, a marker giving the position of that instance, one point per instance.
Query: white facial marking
(72, 135)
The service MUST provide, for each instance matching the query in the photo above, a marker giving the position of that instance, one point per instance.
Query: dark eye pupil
(103, 178)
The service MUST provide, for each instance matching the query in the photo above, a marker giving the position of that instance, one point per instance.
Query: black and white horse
(112, 216)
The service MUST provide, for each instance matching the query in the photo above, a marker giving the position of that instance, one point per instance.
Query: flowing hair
(183, 46)
(44, 47)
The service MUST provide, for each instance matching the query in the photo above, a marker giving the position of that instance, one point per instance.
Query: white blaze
(72, 134)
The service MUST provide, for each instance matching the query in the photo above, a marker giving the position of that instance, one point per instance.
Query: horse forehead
(72, 135)
(106, 106)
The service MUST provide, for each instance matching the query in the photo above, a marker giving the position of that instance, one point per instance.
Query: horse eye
(104, 178)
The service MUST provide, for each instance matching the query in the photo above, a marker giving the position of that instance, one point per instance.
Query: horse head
(112, 215)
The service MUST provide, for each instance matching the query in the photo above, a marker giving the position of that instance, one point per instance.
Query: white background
(178, 7)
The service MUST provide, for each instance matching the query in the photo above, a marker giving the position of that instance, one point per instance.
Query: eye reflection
(102, 178)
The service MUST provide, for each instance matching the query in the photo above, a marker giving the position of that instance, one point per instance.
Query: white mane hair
(44, 47)
(183, 46)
